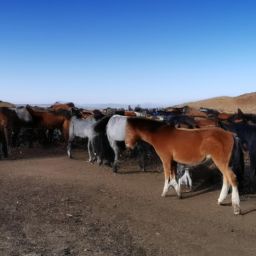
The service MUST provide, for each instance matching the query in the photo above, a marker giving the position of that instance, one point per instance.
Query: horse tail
(103, 149)
(237, 162)
(100, 126)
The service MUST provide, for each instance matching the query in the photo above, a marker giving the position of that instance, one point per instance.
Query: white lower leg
(235, 200)
(165, 189)
(223, 193)
(188, 178)
(175, 185)
(89, 151)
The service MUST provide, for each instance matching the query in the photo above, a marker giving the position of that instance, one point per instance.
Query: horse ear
(239, 111)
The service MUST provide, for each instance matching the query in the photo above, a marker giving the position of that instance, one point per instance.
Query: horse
(51, 119)
(241, 117)
(62, 106)
(191, 147)
(111, 129)
(247, 135)
(82, 128)
(114, 127)
(14, 119)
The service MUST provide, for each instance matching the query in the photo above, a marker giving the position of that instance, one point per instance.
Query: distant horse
(181, 120)
(82, 128)
(114, 127)
(14, 119)
(112, 130)
(244, 118)
(62, 106)
(51, 119)
(191, 147)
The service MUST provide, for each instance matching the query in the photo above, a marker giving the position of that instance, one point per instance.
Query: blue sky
(131, 52)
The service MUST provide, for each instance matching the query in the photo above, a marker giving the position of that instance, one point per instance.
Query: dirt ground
(52, 205)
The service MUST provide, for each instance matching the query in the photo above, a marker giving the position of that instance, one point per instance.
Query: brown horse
(51, 120)
(188, 147)
(62, 106)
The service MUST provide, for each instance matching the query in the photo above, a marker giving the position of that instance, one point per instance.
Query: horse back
(194, 146)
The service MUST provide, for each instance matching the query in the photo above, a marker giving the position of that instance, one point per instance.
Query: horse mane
(62, 112)
(145, 124)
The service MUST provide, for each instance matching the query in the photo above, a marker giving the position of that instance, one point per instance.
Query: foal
(188, 147)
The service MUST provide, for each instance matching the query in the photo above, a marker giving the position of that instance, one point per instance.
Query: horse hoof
(163, 194)
(114, 168)
(237, 210)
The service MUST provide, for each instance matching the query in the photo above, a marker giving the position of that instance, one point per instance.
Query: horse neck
(34, 113)
(146, 136)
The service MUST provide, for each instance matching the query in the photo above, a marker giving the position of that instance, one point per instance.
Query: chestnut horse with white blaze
(190, 147)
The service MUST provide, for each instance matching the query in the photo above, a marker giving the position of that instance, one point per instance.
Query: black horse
(247, 135)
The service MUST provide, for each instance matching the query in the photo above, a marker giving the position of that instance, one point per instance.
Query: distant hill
(246, 102)
(6, 104)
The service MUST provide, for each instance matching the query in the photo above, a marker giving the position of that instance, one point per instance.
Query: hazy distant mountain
(246, 102)
(113, 105)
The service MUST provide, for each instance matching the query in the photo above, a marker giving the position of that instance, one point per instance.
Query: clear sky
(126, 51)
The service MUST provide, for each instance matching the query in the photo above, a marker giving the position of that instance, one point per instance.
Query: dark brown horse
(188, 147)
(62, 106)
(14, 119)
(51, 120)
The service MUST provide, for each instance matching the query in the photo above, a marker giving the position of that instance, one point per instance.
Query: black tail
(237, 162)
(102, 149)
(100, 126)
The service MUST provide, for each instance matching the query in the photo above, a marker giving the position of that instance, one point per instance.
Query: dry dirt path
(57, 206)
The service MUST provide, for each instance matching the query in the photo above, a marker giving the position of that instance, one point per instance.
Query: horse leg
(69, 147)
(92, 154)
(169, 178)
(189, 180)
(235, 195)
(114, 146)
(89, 150)
(224, 190)
(173, 181)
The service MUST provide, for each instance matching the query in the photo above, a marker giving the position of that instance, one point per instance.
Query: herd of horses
(180, 138)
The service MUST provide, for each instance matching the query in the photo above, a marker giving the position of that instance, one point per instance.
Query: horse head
(23, 114)
(131, 137)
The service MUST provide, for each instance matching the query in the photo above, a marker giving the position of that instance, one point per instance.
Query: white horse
(115, 130)
(82, 128)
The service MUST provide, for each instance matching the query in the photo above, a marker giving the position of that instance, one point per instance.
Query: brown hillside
(246, 102)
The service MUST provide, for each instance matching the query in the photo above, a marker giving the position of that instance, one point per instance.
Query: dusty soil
(52, 205)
